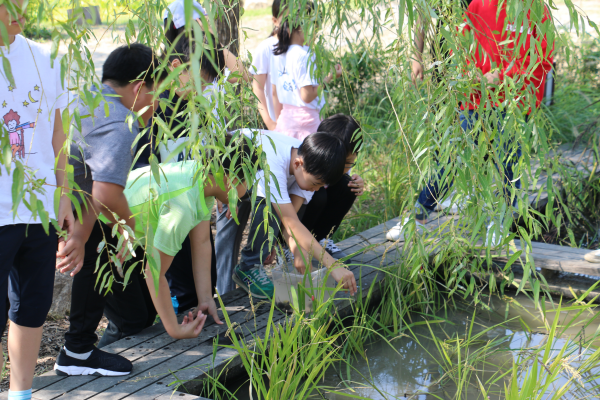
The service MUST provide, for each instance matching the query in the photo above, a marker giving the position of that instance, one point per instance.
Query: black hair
(284, 33)
(276, 7)
(130, 63)
(275, 11)
(212, 60)
(171, 33)
(324, 155)
(234, 161)
(346, 128)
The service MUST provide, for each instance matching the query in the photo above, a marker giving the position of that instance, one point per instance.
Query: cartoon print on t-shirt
(289, 86)
(16, 132)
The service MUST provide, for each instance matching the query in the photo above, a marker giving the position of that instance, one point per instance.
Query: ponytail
(284, 36)
(284, 33)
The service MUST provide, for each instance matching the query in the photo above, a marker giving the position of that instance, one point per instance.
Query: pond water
(410, 366)
(403, 368)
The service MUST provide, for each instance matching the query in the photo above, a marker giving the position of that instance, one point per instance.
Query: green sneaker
(255, 281)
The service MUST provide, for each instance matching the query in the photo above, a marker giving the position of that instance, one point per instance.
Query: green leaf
(8, 70)
(44, 216)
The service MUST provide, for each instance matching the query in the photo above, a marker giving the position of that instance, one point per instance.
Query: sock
(79, 356)
(19, 394)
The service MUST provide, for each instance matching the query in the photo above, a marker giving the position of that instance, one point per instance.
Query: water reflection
(407, 369)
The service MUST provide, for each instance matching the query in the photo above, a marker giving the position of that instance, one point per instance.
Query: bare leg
(23, 348)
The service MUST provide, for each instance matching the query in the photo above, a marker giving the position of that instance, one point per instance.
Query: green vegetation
(409, 131)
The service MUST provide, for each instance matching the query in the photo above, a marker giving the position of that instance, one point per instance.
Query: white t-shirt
(27, 112)
(211, 91)
(279, 164)
(292, 71)
(261, 64)
(176, 8)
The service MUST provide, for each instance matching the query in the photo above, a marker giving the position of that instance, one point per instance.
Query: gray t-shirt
(103, 151)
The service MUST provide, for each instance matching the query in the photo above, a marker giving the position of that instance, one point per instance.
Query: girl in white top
(177, 26)
(261, 66)
(295, 89)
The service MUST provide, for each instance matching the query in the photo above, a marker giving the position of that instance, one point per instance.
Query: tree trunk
(228, 26)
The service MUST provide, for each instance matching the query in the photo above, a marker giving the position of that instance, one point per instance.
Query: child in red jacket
(502, 57)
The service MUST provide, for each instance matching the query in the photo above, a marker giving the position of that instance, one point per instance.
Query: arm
(310, 92)
(190, 327)
(65, 217)
(258, 87)
(300, 239)
(201, 261)
(106, 197)
(417, 61)
(236, 65)
(276, 104)
(72, 252)
(109, 198)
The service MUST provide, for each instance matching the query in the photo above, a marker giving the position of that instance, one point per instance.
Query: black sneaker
(99, 363)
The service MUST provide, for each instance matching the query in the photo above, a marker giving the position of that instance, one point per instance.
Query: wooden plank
(565, 249)
(230, 360)
(162, 350)
(215, 367)
(50, 378)
(144, 343)
(575, 267)
(178, 396)
(180, 363)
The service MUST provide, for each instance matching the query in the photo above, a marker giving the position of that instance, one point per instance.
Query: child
(492, 63)
(174, 103)
(182, 46)
(183, 206)
(102, 154)
(34, 97)
(261, 61)
(176, 28)
(295, 88)
(300, 169)
(173, 112)
(329, 205)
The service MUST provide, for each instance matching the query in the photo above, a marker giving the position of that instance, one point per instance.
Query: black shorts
(27, 265)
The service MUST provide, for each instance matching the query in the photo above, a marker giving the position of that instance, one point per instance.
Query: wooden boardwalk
(160, 360)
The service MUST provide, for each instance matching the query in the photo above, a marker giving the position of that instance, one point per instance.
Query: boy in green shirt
(165, 214)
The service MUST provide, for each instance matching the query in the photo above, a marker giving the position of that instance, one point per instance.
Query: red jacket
(491, 31)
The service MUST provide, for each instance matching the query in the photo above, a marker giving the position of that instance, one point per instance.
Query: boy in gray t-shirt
(102, 151)
(102, 154)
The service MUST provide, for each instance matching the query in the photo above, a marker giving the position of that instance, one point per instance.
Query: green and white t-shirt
(170, 210)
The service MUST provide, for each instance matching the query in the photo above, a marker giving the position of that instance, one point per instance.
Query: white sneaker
(593, 256)
(452, 208)
(396, 234)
